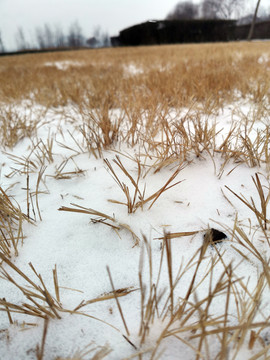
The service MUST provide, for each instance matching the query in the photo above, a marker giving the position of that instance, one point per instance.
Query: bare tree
(106, 39)
(251, 30)
(20, 39)
(45, 37)
(99, 38)
(2, 47)
(49, 36)
(222, 9)
(97, 35)
(75, 37)
(184, 11)
(208, 11)
(40, 38)
(60, 38)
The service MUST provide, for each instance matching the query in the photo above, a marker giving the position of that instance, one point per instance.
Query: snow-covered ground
(82, 248)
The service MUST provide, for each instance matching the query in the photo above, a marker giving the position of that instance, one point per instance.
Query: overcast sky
(111, 15)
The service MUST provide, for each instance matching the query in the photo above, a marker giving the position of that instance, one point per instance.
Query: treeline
(216, 10)
(54, 37)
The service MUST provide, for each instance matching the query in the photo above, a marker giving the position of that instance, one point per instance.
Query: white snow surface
(82, 249)
(132, 69)
(63, 65)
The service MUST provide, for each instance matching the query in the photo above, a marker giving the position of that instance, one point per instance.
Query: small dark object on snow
(214, 236)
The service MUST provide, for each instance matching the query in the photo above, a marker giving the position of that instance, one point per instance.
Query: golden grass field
(146, 85)
(210, 75)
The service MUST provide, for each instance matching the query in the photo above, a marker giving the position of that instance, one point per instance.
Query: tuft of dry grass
(138, 199)
(261, 214)
(14, 126)
(11, 225)
(191, 318)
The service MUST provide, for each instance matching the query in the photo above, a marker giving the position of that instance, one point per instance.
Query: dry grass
(201, 78)
(167, 111)
(175, 75)
(11, 223)
(138, 199)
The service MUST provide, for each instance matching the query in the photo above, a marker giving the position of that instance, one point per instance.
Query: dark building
(157, 32)
(261, 31)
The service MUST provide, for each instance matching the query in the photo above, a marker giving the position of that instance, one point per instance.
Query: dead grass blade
(103, 219)
(261, 214)
(178, 235)
(117, 302)
(39, 293)
(40, 349)
(107, 296)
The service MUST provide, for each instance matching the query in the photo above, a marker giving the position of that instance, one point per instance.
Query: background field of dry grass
(170, 75)
(135, 97)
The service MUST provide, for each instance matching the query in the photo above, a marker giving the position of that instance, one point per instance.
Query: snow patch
(64, 65)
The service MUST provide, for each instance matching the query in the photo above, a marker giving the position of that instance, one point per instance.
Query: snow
(132, 69)
(263, 59)
(82, 249)
(64, 65)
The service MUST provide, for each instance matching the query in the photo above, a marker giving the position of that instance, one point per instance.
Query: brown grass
(11, 222)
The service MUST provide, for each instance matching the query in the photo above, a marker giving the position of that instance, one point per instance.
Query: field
(134, 203)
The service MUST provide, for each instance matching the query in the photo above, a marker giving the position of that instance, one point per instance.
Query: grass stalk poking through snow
(102, 218)
(11, 220)
(138, 199)
(261, 214)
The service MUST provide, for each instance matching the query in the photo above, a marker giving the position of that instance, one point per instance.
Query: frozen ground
(82, 248)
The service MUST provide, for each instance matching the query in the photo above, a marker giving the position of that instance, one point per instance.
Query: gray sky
(111, 15)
